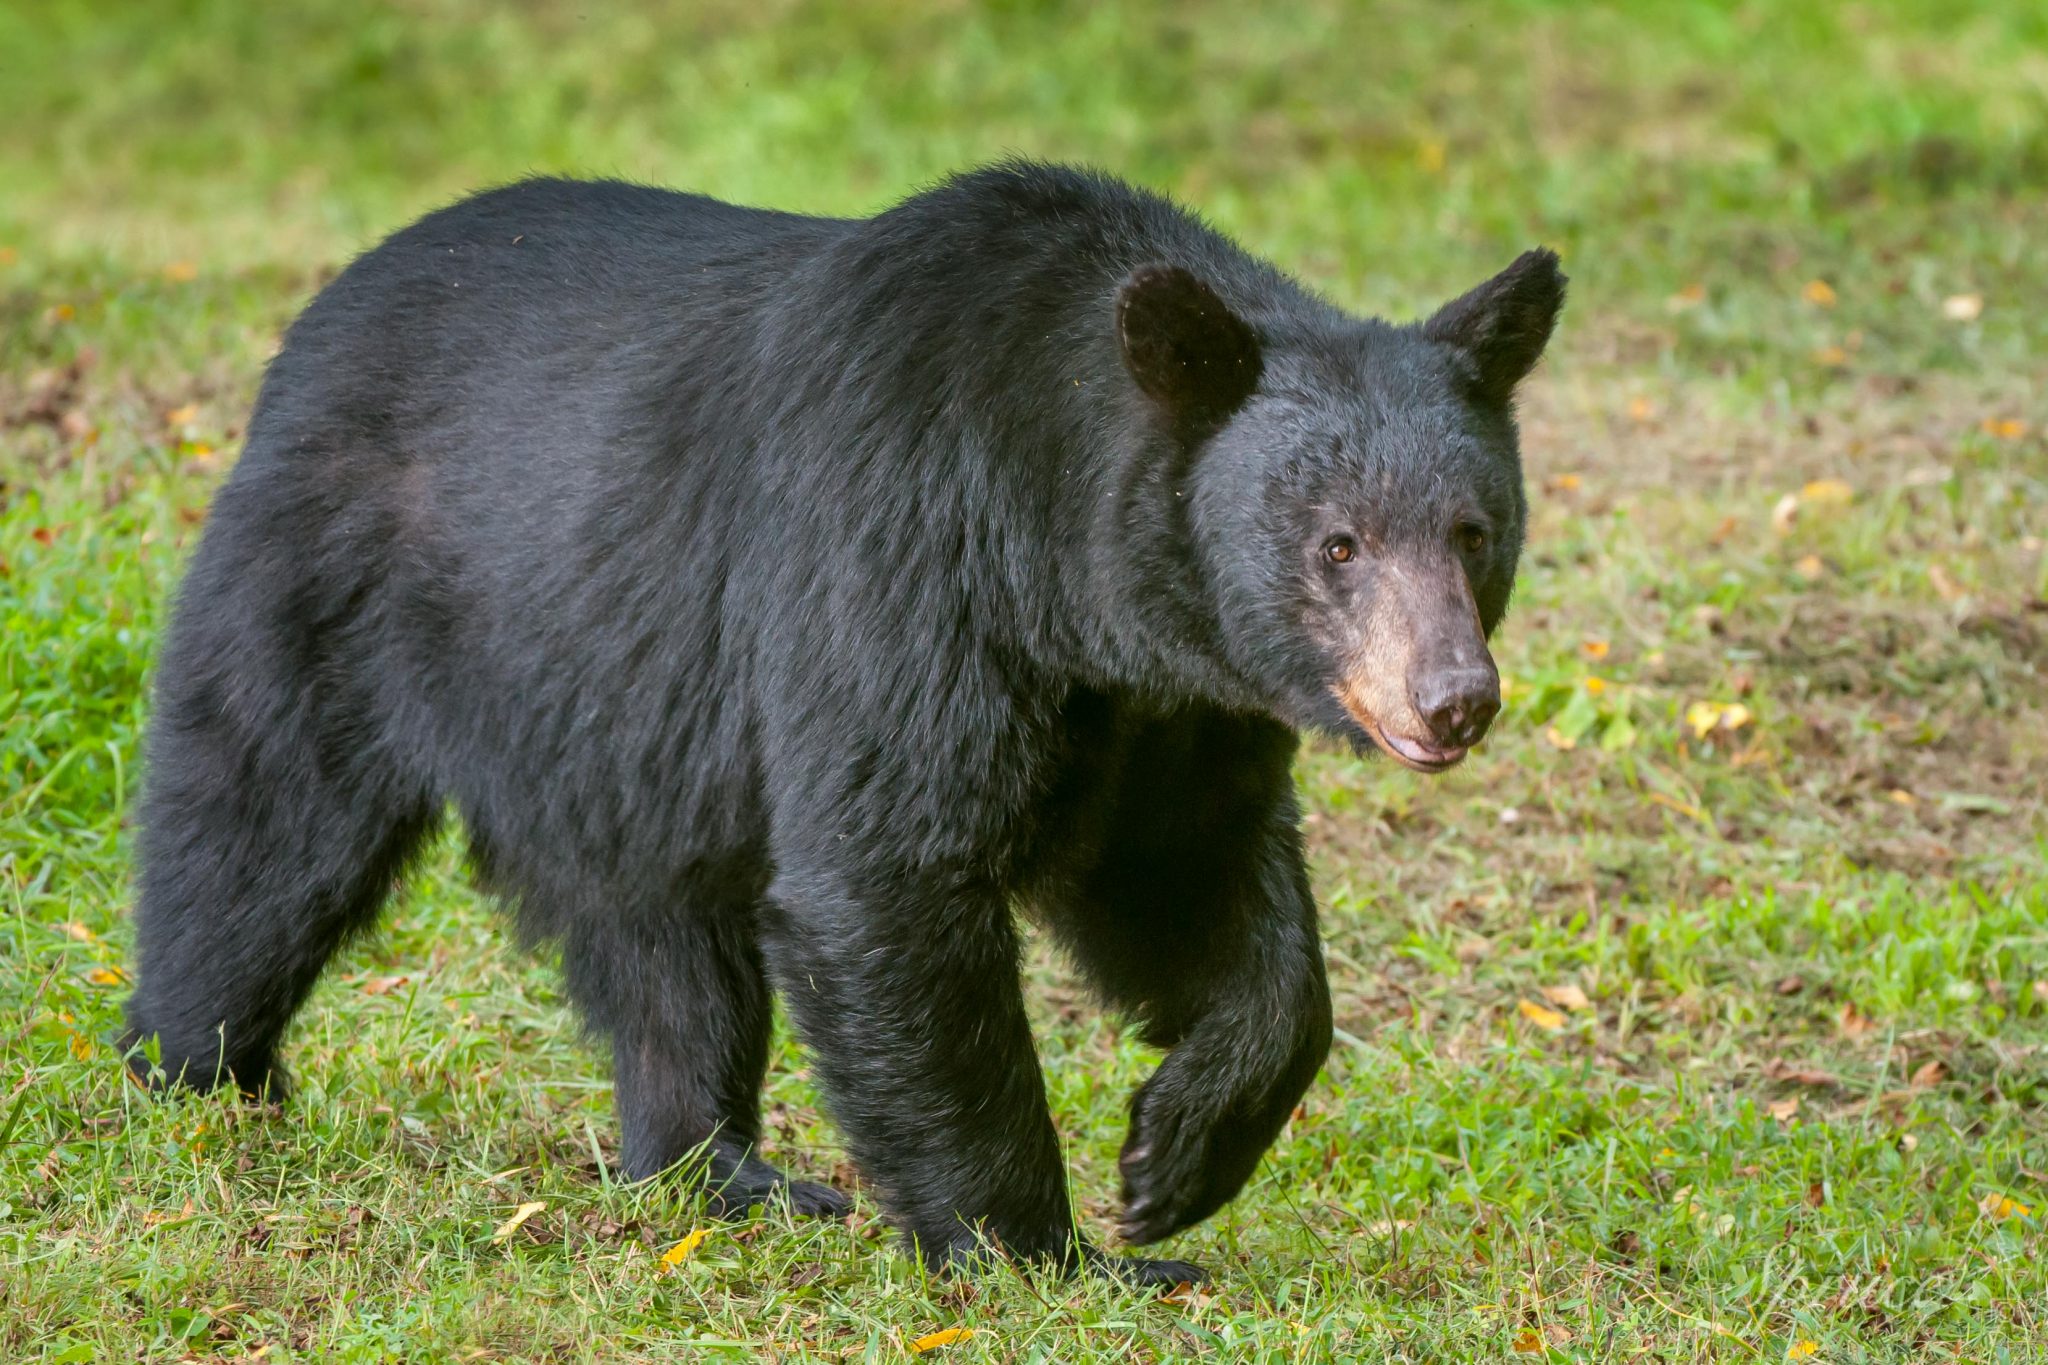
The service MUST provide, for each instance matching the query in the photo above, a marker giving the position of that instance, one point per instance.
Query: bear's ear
(1187, 351)
(1504, 323)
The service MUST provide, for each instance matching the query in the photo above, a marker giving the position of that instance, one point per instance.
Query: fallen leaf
(1854, 1022)
(1827, 491)
(1962, 307)
(1563, 483)
(1810, 568)
(946, 1336)
(682, 1250)
(1929, 1073)
(158, 1217)
(1816, 1195)
(1819, 293)
(184, 415)
(518, 1219)
(1593, 649)
(1778, 1069)
(1641, 410)
(181, 272)
(1834, 357)
(1944, 584)
(1999, 1207)
(1783, 1110)
(1705, 717)
(1901, 797)
(1529, 1341)
(82, 1047)
(1802, 1348)
(381, 985)
(78, 932)
(1539, 1015)
(1567, 997)
(1785, 514)
(1559, 739)
(1556, 1334)
(1791, 985)
(1720, 534)
(1692, 296)
(2004, 428)
(106, 976)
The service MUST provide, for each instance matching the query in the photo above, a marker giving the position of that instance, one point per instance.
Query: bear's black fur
(785, 600)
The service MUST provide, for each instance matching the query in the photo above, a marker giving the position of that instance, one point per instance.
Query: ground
(1702, 1015)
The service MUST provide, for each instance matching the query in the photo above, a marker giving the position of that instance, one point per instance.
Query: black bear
(784, 603)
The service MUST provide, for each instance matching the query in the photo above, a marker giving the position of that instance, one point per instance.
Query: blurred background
(1704, 1012)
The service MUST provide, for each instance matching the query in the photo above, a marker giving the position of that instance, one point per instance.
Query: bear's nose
(1457, 704)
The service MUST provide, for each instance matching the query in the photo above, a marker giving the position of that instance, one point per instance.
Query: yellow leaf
(1705, 717)
(106, 976)
(1827, 491)
(1564, 483)
(682, 1250)
(78, 932)
(945, 1336)
(183, 415)
(518, 1218)
(1819, 293)
(1539, 1015)
(2004, 428)
(62, 312)
(1783, 1110)
(1901, 796)
(1528, 1341)
(181, 272)
(1593, 649)
(1962, 307)
(1801, 1349)
(2000, 1207)
(81, 1047)
(1567, 997)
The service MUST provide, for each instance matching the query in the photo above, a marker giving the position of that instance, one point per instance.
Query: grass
(1787, 1094)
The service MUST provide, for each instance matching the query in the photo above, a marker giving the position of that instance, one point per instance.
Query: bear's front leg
(906, 990)
(1196, 917)
(1201, 1122)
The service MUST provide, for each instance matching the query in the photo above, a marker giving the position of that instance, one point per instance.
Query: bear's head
(1354, 493)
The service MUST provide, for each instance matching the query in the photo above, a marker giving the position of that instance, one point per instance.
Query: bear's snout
(1457, 704)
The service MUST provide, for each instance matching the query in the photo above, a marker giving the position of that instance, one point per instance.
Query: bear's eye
(1340, 549)
(1471, 538)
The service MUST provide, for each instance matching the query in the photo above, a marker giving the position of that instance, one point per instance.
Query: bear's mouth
(1416, 754)
(1413, 753)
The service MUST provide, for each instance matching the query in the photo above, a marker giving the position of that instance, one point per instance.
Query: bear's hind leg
(261, 851)
(682, 995)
